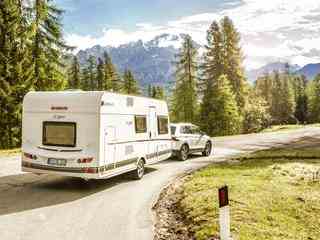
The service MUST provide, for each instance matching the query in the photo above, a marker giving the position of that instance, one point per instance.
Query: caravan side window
(163, 125)
(140, 123)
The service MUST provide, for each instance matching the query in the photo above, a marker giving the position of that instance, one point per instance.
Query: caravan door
(110, 146)
(152, 123)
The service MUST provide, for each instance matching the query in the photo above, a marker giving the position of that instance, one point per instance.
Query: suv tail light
(175, 139)
(30, 156)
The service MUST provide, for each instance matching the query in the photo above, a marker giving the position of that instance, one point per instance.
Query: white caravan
(93, 134)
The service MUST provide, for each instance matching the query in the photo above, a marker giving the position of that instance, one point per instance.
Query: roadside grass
(276, 128)
(10, 152)
(274, 194)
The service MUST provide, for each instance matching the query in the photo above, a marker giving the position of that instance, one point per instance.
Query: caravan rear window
(59, 134)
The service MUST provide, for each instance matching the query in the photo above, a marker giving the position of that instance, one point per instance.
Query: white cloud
(81, 42)
(272, 29)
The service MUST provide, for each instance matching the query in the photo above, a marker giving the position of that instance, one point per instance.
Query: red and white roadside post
(224, 214)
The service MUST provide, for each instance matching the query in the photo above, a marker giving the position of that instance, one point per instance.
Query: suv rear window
(173, 130)
(186, 130)
(59, 134)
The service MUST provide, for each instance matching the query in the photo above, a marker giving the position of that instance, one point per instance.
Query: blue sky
(271, 30)
(91, 16)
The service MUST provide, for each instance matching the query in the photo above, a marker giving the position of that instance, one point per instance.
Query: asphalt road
(48, 207)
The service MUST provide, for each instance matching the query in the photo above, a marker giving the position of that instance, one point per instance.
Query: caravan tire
(139, 172)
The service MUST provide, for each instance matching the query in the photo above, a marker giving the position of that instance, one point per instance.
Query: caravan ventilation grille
(129, 149)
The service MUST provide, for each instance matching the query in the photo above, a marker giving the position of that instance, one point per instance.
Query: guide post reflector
(223, 197)
(224, 213)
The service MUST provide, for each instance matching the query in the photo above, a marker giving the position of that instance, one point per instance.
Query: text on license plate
(57, 162)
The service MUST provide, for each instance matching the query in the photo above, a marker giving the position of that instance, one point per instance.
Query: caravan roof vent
(129, 102)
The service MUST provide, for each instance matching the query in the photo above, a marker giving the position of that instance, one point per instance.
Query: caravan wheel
(139, 172)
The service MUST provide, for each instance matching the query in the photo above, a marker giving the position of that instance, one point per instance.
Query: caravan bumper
(86, 172)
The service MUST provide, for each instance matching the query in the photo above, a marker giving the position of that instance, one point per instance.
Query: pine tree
(116, 81)
(301, 98)
(74, 80)
(275, 107)
(211, 69)
(100, 75)
(15, 74)
(257, 116)
(159, 93)
(150, 90)
(85, 76)
(314, 103)
(283, 102)
(232, 61)
(107, 83)
(288, 101)
(130, 85)
(112, 80)
(184, 95)
(90, 73)
(156, 92)
(224, 118)
(263, 87)
(48, 46)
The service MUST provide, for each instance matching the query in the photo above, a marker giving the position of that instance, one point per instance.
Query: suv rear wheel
(207, 149)
(184, 152)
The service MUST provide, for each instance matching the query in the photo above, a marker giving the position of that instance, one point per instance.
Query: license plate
(57, 162)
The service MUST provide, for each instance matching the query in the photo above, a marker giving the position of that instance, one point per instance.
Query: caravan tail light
(85, 160)
(30, 156)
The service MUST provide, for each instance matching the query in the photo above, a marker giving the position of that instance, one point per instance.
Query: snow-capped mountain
(150, 61)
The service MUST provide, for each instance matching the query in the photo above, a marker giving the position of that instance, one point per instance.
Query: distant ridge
(310, 70)
(252, 75)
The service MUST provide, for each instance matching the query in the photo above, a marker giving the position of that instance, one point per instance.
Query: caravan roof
(83, 101)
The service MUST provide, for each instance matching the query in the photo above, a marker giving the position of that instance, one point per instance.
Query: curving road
(49, 207)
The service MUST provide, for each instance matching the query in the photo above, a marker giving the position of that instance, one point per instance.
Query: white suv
(188, 138)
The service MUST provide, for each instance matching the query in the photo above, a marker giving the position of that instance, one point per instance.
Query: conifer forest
(210, 88)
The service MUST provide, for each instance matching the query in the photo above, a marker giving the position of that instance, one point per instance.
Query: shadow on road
(28, 191)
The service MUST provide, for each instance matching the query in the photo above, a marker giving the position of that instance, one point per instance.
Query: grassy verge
(5, 153)
(277, 128)
(274, 194)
